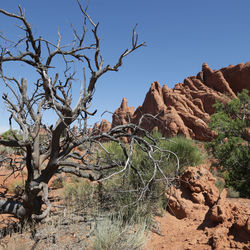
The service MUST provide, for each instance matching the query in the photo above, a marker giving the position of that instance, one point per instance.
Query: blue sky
(180, 36)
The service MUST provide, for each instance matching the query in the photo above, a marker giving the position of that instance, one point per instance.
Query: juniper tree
(48, 150)
(231, 146)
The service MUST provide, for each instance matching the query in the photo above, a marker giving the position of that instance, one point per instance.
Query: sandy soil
(190, 233)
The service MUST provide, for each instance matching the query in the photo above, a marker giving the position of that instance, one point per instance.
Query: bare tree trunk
(12, 207)
(53, 151)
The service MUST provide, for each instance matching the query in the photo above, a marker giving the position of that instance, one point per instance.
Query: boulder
(225, 222)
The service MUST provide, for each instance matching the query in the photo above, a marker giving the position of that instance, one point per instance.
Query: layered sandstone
(186, 109)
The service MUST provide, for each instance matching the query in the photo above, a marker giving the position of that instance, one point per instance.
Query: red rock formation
(123, 114)
(186, 109)
(216, 81)
(104, 126)
(237, 76)
(225, 223)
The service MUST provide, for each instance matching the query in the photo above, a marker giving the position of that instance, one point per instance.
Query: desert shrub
(232, 193)
(187, 150)
(57, 183)
(11, 134)
(112, 233)
(17, 186)
(123, 192)
(231, 147)
(121, 195)
(4, 150)
(79, 193)
(112, 151)
(124, 202)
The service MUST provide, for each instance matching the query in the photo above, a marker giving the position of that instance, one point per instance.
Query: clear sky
(180, 36)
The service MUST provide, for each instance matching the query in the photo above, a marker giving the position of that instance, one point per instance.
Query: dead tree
(49, 150)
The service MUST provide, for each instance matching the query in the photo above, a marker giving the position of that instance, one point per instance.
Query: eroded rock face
(123, 114)
(226, 223)
(186, 109)
(104, 126)
(197, 187)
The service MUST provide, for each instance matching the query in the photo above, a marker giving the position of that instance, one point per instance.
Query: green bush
(79, 193)
(113, 151)
(231, 147)
(124, 194)
(9, 134)
(11, 150)
(124, 191)
(187, 150)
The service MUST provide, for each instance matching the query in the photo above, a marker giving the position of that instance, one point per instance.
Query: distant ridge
(185, 109)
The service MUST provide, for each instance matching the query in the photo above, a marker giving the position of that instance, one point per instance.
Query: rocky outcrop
(104, 126)
(123, 114)
(237, 76)
(197, 190)
(225, 222)
(186, 109)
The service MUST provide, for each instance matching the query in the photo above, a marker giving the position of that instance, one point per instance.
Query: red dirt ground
(180, 234)
(193, 232)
